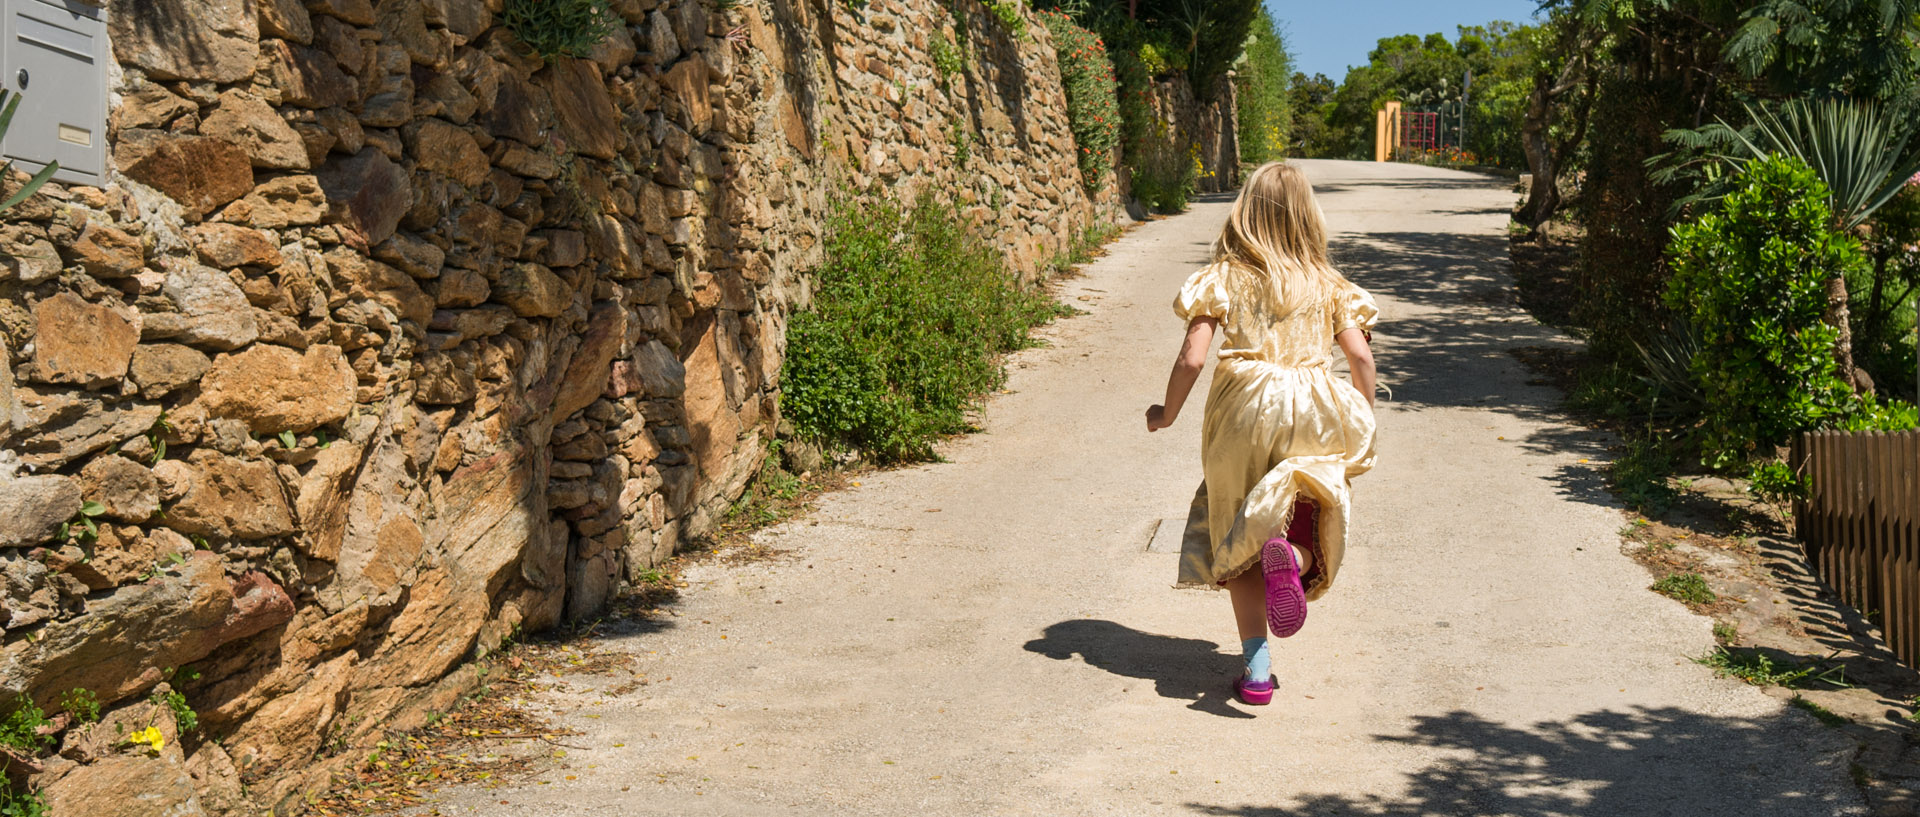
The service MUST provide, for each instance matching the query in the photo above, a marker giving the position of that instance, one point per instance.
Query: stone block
(274, 389)
(82, 343)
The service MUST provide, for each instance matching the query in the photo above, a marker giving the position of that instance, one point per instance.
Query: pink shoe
(1253, 693)
(1286, 598)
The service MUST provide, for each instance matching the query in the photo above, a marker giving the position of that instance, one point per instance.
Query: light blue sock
(1259, 660)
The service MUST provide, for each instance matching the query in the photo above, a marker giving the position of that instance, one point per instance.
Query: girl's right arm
(1359, 361)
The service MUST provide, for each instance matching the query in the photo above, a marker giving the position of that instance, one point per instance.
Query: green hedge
(906, 330)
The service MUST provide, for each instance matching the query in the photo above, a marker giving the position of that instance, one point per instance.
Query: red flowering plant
(1093, 108)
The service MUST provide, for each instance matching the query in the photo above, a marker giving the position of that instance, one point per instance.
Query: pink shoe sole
(1253, 694)
(1286, 599)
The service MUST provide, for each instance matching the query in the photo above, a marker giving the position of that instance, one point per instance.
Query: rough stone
(226, 246)
(364, 279)
(12, 416)
(106, 251)
(449, 150)
(405, 25)
(661, 374)
(286, 19)
(533, 291)
(461, 287)
(62, 427)
(118, 648)
(81, 343)
(688, 82)
(369, 193)
(466, 20)
(274, 389)
(200, 172)
(357, 12)
(287, 201)
(213, 311)
(586, 375)
(197, 40)
(126, 489)
(246, 120)
(307, 77)
(123, 782)
(160, 369)
(230, 498)
(149, 106)
(710, 415)
(33, 508)
(414, 256)
(589, 125)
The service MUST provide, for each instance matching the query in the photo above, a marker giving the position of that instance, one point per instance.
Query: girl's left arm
(1186, 370)
(1353, 342)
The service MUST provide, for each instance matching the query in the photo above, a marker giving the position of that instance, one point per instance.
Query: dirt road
(992, 636)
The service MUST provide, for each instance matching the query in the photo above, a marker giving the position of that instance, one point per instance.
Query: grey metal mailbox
(54, 54)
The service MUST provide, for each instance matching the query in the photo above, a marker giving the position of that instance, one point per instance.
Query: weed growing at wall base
(907, 327)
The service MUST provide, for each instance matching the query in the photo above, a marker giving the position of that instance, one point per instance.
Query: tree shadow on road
(1644, 761)
(1187, 669)
(1454, 348)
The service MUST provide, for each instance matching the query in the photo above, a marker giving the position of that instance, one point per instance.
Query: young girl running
(1281, 435)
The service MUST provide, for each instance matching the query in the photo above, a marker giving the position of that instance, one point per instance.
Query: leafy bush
(1008, 12)
(561, 28)
(908, 322)
(1093, 109)
(1265, 77)
(1752, 278)
(1774, 481)
(20, 729)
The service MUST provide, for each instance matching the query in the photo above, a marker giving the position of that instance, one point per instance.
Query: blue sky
(1326, 36)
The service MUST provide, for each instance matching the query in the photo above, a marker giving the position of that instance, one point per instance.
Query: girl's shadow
(1187, 669)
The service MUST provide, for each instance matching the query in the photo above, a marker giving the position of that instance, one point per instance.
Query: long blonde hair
(1277, 231)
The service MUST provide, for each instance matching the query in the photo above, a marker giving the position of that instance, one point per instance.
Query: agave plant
(8, 102)
(1863, 151)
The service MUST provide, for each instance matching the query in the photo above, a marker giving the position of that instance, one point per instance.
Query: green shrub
(1752, 278)
(1163, 178)
(20, 728)
(906, 328)
(82, 704)
(1008, 12)
(947, 59)
(1774, 481)
(20, 803)
(1265, 77)
(1093, 108)
(560, 28)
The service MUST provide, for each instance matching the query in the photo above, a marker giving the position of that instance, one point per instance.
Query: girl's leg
(1249, 592)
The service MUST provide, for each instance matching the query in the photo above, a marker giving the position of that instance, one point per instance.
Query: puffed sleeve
(1354, 309)
(1204, 295)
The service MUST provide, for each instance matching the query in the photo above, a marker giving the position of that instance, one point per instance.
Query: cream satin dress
(1279, 425)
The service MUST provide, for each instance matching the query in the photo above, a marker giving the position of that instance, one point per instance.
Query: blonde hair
(1277, 231)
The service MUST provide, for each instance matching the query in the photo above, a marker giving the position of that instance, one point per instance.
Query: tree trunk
(1839, 318)
(1543, 192)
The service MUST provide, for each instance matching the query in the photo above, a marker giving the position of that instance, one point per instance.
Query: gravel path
(991, 635)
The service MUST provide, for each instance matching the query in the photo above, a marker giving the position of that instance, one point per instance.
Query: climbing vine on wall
(1093, 109)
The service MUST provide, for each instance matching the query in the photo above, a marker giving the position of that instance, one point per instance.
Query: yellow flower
(149, 736)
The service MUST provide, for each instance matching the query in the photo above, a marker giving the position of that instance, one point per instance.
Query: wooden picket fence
(1861, 525)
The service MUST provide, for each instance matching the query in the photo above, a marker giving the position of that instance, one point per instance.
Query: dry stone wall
(386, 339)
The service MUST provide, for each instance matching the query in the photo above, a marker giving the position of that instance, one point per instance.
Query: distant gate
(1419, 130)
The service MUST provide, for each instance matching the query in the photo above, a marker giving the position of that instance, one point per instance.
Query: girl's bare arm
(1359, 361)
(1186, 370)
